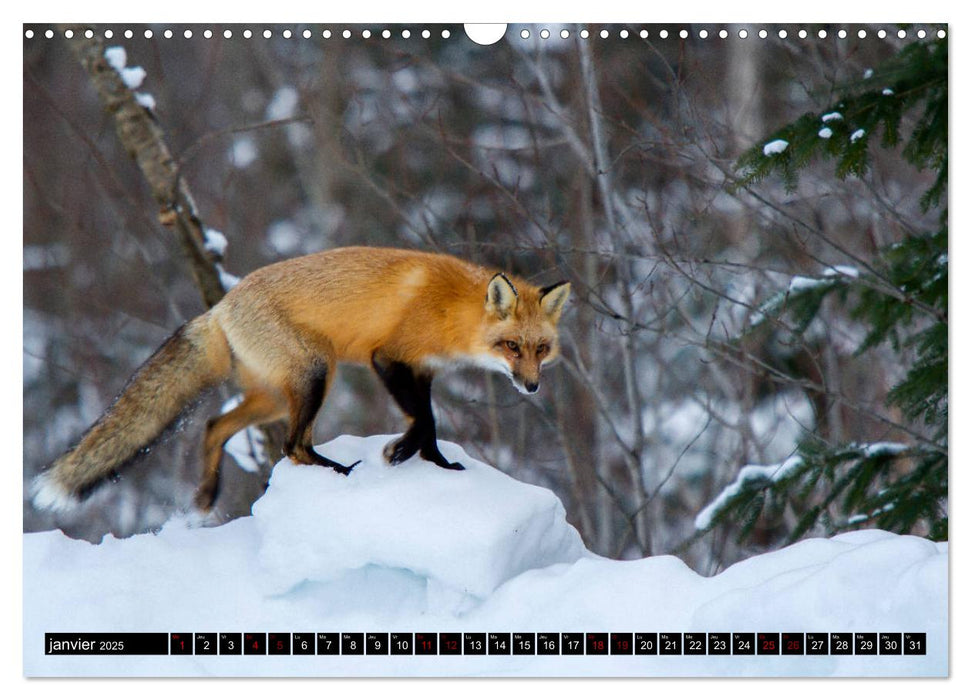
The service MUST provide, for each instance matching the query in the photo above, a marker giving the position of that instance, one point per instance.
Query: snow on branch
(750, 478)
(140, 133)
(142, 137)
(803, 286)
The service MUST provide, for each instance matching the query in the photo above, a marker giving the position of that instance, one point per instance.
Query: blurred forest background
(611, 161)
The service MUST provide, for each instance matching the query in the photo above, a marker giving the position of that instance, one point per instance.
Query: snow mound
(879, 575)
(469, 531)
(416, 548)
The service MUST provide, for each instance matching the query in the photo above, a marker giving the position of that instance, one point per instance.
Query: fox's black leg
(413, 393)
(402, 384)
(305, 402)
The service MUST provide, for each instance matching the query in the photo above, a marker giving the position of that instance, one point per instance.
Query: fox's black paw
(308, 455)
(341, 469)
(400, 451)
(438, 459)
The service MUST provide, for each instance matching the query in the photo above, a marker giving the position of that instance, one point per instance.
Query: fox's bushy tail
(194, 358)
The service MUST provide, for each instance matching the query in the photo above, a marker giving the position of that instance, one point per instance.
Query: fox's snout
(523, 384)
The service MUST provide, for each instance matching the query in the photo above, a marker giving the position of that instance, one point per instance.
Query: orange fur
(287, 326)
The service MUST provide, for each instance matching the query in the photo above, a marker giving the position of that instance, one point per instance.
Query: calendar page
(443, 350)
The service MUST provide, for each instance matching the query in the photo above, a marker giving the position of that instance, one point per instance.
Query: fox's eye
(513, 346)
(542, 349)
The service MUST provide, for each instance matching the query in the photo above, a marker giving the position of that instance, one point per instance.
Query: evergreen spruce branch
(876, 280)
(757, 495)
(918, 75)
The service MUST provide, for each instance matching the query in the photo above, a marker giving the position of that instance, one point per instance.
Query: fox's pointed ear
(501, 297)
(552, 299)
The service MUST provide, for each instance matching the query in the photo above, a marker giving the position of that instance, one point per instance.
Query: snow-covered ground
(415, 548)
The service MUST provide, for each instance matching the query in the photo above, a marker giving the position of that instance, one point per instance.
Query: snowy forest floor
(421, 549)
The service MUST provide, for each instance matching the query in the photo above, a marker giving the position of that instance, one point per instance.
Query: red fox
(280, 333)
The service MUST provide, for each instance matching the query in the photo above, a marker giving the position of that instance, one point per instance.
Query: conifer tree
(900, 297)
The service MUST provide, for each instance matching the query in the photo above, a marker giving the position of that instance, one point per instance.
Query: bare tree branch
(142, 137)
